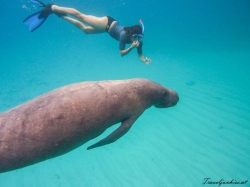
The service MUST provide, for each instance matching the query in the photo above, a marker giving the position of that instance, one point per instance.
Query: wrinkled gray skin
(64, 119)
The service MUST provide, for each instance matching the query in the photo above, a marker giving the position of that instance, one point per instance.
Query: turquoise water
(201, 49)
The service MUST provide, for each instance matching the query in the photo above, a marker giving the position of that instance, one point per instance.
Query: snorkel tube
(142, 26)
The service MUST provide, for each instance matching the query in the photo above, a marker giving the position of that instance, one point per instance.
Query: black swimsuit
(110, 21)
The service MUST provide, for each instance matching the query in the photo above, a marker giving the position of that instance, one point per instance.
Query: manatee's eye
(164, 93)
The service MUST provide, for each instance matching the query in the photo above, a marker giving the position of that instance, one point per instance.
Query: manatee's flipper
(37, 19)
(118, 133)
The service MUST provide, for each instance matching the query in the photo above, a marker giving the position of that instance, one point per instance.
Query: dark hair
(136, 29)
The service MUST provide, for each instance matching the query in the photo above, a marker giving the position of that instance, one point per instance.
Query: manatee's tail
(37, 19)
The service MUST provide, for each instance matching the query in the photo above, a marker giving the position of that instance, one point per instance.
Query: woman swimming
(95, 25)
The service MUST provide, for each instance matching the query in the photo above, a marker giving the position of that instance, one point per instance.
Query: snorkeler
(125, 35)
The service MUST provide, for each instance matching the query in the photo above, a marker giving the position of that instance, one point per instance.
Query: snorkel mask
(138, 37)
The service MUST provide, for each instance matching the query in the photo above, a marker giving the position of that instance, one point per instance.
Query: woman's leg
(96, 24)
(81, 26)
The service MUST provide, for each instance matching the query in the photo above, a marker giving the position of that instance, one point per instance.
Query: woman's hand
(146, 60)
(135, 44)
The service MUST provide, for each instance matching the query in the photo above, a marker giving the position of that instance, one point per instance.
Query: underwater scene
(199, 49)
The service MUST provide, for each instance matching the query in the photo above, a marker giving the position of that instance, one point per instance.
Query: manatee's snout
(174, 98)
(170, 99)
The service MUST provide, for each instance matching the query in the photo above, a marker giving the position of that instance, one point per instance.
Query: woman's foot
(58, 13)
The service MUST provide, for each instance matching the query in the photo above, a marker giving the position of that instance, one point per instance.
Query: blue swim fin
(39, 2)
(37, 19)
